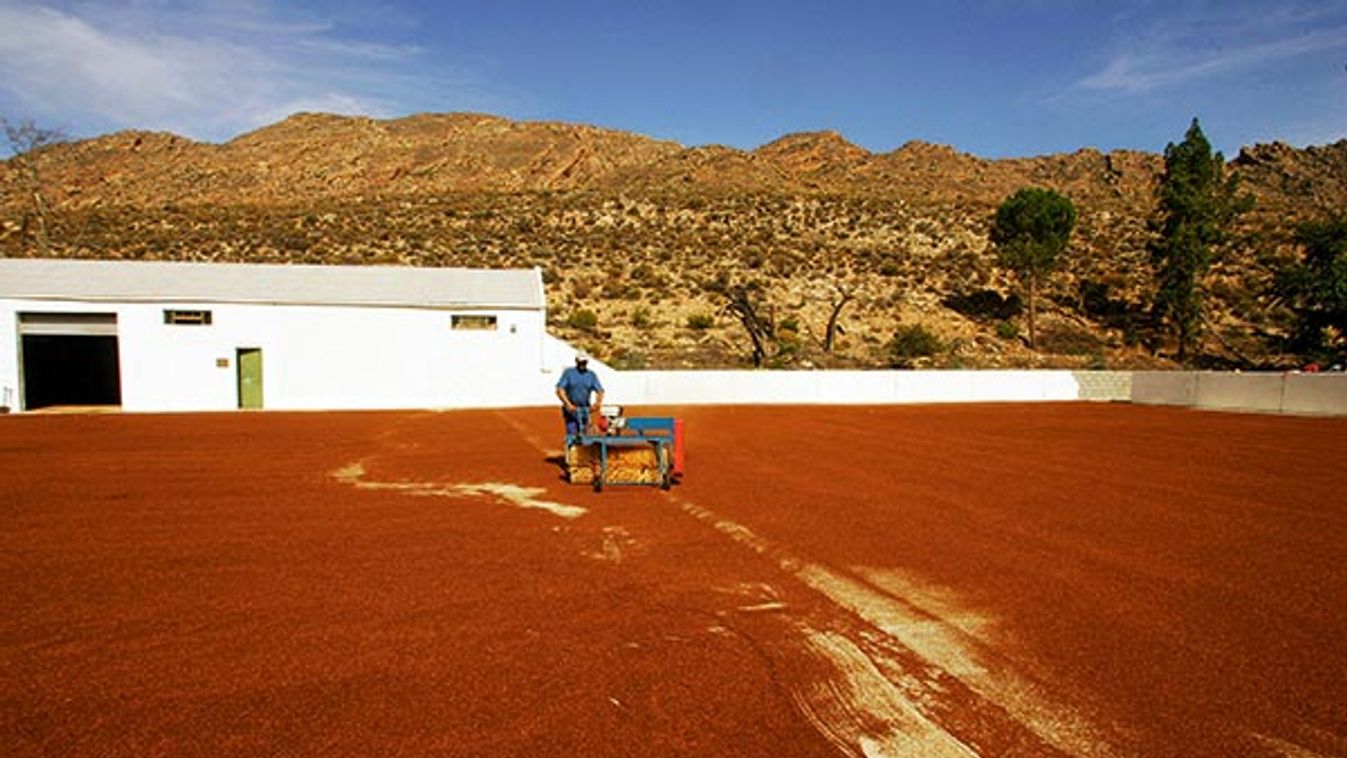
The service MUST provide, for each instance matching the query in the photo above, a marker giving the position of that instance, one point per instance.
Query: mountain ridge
(312, 154)
(645, 232)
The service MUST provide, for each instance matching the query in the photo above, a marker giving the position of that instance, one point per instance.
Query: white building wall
(315, 357)
(9, 356)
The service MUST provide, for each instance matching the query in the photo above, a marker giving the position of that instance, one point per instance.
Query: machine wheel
(665, 470)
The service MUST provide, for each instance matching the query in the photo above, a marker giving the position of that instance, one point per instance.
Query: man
(574, 389)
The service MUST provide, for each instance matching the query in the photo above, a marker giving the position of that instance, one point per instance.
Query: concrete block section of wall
(1315, 393)
(1104, 385)
(1245, 392)
(1164, 388)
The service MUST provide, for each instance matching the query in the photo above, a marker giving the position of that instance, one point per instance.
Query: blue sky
(992, 77)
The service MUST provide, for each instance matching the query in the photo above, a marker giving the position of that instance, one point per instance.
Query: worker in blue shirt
(574, 389)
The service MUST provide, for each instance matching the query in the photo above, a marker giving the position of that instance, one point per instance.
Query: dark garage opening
(70, 370)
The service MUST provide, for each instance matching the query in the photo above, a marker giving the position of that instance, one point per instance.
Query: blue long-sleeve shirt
(579, 385)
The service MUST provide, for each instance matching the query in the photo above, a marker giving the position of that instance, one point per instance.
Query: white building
(204, 336)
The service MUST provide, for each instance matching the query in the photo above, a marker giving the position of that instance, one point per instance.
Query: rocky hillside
(641, 239)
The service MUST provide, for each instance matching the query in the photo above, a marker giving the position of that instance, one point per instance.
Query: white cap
(581, 356)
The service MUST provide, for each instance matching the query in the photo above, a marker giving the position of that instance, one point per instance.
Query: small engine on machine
(611, 419)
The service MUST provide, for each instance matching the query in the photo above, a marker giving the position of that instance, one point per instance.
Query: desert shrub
(1065, 339)
(1007, 330)
(700, 321)
(985, 305)
(787, 350)
(640, 318)
(583, 320)
(618, 289)
(1098, 304)
(913, 341)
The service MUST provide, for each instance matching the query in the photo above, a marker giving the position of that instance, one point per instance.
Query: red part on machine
(678, 448)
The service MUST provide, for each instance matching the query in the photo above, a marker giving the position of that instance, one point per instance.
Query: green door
(250, 377)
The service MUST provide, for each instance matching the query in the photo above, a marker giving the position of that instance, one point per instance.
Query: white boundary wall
(860, 387)
(1315, 393)
(1322, 394)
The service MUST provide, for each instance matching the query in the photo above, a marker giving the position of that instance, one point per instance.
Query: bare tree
(25, 141)
(843, 293)
(748, 303)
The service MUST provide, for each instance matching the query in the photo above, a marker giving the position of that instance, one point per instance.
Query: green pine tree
(1198, 204)
(1315, 290)
(1030, 232)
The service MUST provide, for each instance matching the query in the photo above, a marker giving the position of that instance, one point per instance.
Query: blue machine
(654, 432)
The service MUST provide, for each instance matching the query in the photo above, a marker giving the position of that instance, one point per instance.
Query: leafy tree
(1030, 232)
(24, 140)
(1315, 289)
(1198, 203)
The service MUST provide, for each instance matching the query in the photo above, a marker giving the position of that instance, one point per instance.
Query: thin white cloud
(208, 69)
(1137, 71)
(368, 50)
(1177, 50)
(46, 53)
